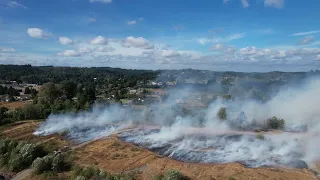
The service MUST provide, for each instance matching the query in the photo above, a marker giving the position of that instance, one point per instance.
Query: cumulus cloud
(99, 40)
(75, 53)
(137, 42)
(218, 47)
(37, 33)
(65, 41)
(14, 4)
(7, 50)
(305, 33)
(306, 40)
(104, 49)
(101, 1)
(69, 53)
(274, 3)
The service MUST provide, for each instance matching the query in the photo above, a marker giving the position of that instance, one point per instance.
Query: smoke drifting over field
(203, 137)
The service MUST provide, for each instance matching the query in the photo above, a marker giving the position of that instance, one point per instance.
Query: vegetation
(275, 123)
(16, 156)
(170, 175)
(56, 163)
(260, 136)
(222, 113)
(91, 172)
(9, 91)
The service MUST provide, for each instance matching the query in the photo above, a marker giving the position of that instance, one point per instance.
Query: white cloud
(7, 50)
(137, 42)
(268, 3)
(14, 4)
(274, 3)
(245, 3)
(101, 1)
(306, 40)
(65, 41)
(37, 33)
(132, 22)
(92, 20)
(104, 49)
(318, 57)
(76, 53)
(69, 53)
(218, 47)
(305, 33)
(99, 40)
(235, 37)
(232, 37)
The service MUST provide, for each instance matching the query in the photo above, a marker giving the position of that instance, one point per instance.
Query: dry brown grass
(118, 157)
(23, 131)
(13, 105)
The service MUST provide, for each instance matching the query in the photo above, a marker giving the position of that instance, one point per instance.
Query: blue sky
(237, 35)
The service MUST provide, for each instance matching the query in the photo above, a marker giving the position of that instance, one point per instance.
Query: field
(13, 105)
(116, 156)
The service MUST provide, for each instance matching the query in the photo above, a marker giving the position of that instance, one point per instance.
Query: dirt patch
(116, 156)
(13, 105)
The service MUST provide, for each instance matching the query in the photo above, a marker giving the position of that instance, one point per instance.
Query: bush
(173, 175)
(41, 165)
(275, 123)
(80, 178)
(17, 156)
(222, 114)
(54, 163)
(260, 136)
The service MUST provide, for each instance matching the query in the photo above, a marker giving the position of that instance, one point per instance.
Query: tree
(275, 123)
(222, 114)
(68, 88)
(27, 90)
(48, 93)
(3, 115)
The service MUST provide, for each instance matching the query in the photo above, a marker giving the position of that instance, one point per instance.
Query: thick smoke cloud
(202, 136)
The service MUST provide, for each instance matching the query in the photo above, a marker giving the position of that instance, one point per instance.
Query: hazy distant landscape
(260, 120)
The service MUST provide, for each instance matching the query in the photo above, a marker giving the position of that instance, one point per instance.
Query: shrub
(222, 114)
(260, 136)
(80, 178)
(157, 177)
(4, 144)
(90, 171)
(231, 178)
(173, 175)
(54, 163)
(42, 164)
(17, 156)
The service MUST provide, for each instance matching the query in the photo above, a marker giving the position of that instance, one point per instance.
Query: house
(133, 91)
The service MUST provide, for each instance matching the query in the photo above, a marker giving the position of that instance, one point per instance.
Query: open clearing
(13, 105)
(116, 156)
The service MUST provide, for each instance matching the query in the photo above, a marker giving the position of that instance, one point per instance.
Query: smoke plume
(200, 136)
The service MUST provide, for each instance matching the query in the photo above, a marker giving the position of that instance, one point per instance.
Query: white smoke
(210, 140)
